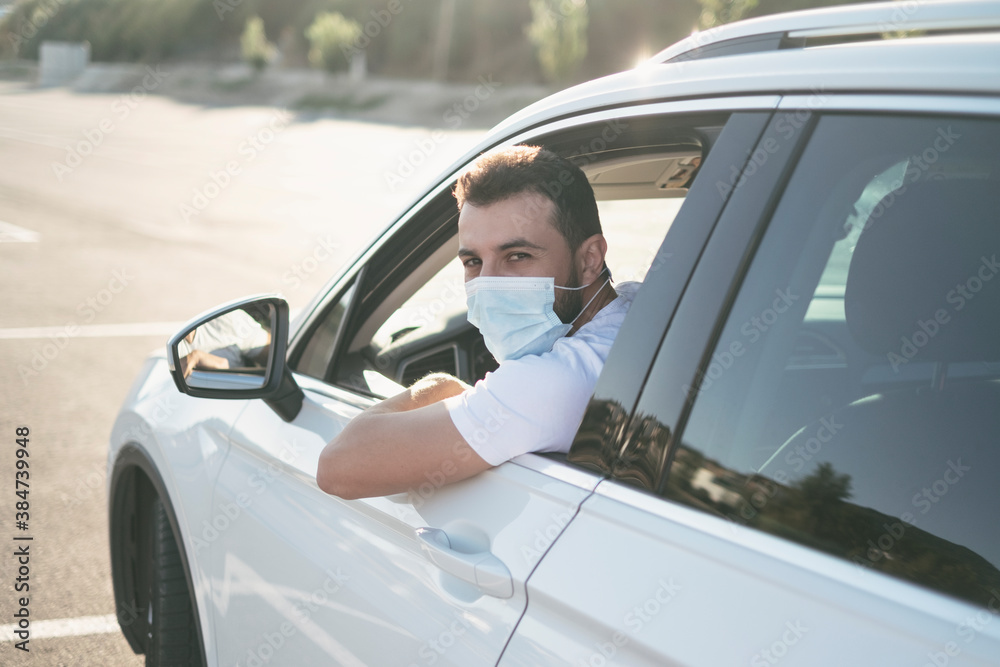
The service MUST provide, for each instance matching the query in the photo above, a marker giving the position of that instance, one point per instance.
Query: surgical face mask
(516, 316)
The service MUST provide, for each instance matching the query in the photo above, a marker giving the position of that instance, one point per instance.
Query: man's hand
(399, 444)
(203, 360)
(425, 391)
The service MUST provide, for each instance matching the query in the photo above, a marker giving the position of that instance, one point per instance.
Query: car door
(807, 474)
(433, 576)
(436, 575)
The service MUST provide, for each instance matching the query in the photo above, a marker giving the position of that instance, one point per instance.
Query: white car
(792, 455)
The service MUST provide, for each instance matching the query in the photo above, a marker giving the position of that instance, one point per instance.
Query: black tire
(173, 636)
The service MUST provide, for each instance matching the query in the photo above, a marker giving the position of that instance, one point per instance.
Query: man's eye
(518, 256)
(471, 262)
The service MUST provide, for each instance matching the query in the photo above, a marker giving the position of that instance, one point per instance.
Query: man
(538, 289)
(231, 340)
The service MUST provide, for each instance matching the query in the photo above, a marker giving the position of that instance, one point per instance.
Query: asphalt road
(119, 219)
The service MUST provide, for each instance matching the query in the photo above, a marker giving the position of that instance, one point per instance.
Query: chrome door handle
(483, 569)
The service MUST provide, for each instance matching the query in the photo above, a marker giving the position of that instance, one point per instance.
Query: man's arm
(399, 444)
(201, 359)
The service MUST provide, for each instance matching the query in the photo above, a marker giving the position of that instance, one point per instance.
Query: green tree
(254, 46)
(823, 495)
(558, 30)
(719, 12)
(332, 40)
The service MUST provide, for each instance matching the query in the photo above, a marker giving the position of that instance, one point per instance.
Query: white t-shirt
(536, 403)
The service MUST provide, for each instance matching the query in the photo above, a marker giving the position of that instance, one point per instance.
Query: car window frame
(649, 438)
(562, 135)
(600, 440)
(354, 274)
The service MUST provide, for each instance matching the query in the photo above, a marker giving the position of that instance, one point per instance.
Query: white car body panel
(187, 440)
(684, 588)
(348, 582)
(959, 65)
(857, 19)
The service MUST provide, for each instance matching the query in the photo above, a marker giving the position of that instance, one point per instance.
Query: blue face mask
(515, 315)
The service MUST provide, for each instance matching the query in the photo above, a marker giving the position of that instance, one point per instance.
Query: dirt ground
(472, 105)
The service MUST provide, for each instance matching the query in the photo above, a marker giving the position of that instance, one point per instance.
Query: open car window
(429, 332)
(407, 315)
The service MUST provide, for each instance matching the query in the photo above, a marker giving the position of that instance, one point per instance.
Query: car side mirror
(237, 351)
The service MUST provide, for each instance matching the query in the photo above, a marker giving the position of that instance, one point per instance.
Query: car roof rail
(834, 25)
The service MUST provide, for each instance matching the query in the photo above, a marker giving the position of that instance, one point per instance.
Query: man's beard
(568, 304)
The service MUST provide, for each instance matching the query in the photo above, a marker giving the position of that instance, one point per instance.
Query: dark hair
(504, 173)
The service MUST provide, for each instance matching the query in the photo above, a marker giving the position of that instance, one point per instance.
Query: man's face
(516, 237)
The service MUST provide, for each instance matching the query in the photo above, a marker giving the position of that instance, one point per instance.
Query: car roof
(959, 54)
(842, 22)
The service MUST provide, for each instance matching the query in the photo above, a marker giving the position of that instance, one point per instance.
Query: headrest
(924, 280)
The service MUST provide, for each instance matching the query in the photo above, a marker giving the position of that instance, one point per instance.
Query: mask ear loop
(576, 289)
(599, 290)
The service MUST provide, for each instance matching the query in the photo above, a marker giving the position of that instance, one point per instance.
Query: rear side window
(852, 400)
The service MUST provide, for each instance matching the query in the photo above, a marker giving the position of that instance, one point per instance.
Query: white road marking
(13, 234)
(95, 330)
(34, 138)
(64, 627)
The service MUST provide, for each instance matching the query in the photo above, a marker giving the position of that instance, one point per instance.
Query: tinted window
(318, 350)
(850, 403)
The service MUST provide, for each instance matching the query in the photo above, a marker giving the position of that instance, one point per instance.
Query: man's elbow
(333, 477)
(326, 480)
